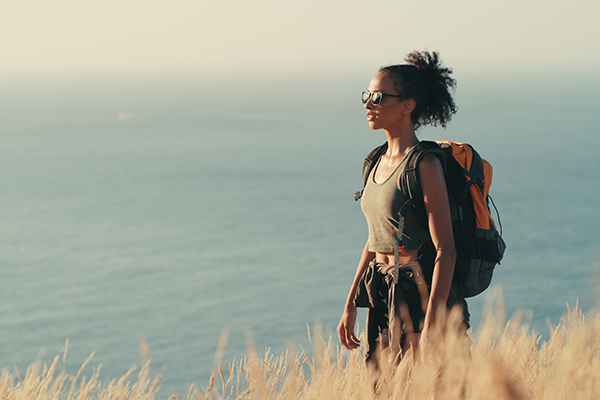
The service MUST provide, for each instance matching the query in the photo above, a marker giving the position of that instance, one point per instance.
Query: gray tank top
(380, 203)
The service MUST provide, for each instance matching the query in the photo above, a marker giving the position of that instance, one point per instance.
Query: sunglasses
(376, 97)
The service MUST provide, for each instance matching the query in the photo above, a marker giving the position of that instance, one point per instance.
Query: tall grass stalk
(500, 361)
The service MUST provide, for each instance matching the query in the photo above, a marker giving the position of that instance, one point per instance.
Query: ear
(408, 105)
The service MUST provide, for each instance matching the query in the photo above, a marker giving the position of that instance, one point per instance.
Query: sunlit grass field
(500, 361)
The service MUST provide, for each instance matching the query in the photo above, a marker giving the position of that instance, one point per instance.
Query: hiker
(402, 315)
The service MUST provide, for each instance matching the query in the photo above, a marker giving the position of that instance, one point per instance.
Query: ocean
(168, 211)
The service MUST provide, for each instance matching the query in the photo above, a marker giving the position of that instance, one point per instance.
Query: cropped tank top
(381, 203)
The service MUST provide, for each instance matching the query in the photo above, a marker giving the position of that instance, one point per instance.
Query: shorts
(411, 301)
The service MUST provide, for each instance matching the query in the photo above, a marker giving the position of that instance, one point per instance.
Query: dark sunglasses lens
(365, 97)
(376, 98)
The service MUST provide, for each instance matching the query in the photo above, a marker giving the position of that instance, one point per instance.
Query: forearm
(346, 327)
(365, 258)
(441, 282)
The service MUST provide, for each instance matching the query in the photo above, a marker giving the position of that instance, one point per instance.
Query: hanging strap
(398, 247)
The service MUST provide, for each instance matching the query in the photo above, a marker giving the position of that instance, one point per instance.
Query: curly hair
(428, 82)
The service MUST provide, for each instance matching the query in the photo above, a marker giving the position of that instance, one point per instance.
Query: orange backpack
(479, 244)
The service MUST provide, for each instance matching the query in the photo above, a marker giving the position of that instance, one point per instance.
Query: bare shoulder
(430, 166)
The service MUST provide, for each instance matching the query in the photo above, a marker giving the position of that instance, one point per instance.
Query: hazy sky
(204, 37)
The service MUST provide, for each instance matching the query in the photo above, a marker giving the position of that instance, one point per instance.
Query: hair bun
(430, 87)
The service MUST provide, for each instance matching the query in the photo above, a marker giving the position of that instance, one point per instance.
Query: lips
(370, 116)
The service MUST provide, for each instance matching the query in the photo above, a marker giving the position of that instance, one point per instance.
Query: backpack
(479, 245)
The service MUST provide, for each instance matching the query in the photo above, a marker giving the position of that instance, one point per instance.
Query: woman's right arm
(346, 327)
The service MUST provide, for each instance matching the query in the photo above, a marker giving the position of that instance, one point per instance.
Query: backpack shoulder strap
(410, 183)
(368, 164)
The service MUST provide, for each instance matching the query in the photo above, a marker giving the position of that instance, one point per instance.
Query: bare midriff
(403, 258)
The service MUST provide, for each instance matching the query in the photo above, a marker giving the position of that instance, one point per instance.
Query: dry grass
(46, 382)
(504, 361)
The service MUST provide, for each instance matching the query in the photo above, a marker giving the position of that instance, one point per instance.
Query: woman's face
(389, 113)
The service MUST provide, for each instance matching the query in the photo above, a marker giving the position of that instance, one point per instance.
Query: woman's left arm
(440, 227)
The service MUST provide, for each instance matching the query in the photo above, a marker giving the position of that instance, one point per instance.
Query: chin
(372, 125)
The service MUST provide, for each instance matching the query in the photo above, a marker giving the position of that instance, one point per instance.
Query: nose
(369, 105)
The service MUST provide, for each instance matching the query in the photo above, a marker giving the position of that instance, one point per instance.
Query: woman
(400, 99)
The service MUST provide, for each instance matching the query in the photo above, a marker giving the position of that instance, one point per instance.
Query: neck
(400, 141)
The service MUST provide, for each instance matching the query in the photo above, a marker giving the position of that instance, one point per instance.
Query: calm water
(175, 209)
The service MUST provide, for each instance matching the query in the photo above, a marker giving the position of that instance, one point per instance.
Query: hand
(429, 338)
(424, 342)
(346, 329)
